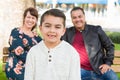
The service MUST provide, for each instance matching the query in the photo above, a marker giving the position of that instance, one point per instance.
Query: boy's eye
(58, 27)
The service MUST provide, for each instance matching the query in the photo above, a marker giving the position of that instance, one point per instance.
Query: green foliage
(114, 36)
(38, 32)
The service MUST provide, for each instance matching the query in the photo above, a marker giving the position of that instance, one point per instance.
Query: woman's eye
(33, 17)
(27, 17)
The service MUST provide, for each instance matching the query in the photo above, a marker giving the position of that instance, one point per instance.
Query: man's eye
(74, 17)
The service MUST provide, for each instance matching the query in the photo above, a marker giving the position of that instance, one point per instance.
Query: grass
(118, 74)
(117, 46)
(2, 74)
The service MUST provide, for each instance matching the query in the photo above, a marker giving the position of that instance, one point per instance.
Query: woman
(20, 41)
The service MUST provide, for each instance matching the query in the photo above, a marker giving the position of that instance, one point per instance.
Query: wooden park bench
(116, 61)
(5, 56)
(115, 66)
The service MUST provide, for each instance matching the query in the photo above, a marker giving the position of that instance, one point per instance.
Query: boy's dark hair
(53, 12)
(77, 8)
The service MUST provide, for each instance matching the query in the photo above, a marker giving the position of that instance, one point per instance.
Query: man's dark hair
(77, 8)
(53, 12)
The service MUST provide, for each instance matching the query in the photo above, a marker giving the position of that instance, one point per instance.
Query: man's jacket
(98, 45)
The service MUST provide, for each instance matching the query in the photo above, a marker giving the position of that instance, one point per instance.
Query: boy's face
(52, 29)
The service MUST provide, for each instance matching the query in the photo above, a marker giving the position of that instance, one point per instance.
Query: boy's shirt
(59, 63)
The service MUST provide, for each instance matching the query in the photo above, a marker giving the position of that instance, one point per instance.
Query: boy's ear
(64, 31)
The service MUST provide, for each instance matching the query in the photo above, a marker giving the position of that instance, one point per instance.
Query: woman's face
(30, 21)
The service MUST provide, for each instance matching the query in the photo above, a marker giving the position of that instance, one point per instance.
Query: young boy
(52, 59)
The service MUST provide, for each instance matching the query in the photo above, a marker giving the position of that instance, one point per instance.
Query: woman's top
(20, 44)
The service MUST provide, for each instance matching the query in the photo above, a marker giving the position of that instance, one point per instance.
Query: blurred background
(103, 12)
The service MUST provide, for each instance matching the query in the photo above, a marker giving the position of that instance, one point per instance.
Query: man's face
(78, 19)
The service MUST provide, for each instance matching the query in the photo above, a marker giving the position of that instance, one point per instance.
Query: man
(95, 48)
